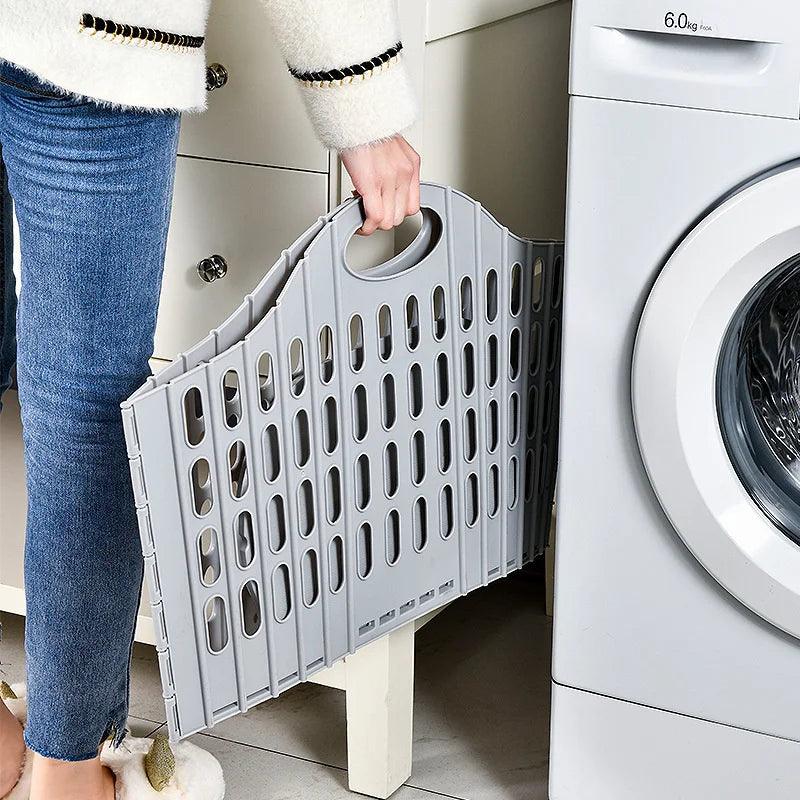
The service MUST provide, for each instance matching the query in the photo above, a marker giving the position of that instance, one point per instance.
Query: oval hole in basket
(439, 313)
(202, 492)
(492, 426)
(237, 467)
(297, 367)
(548, 406)
(412, 322)
(302, 439)
(419, 516)
(552, 346)
(276, 523)
(470, 434)
(533, 410)
(513, 482)
(385, 332)
(216, 624)
(333, 495)
(326, 355)
(445, 446)
(537, 284)
(418, 458)
(310, 578)
(272, 454)
(356, 338)
(535, 357)
(398, 250)
(330, 425)
(391, 470)
(529, 476)
(468, 369)
(513, 418)
(251, 608)
(466, 301)
(446, 521)
(492, 362)
(415, 397)
(208, 553)
(364, 548)
(491, 295)
(494, 490)
(363, 484)
(231, 398)
(514, 353)
(360, 414)
(515, 300)
(281, 593)
(305, 508)
(392, 537)
(442, 380)
(558, 282)
(193, 417)
(245, 541)
(388, 401)
(266, 381)
(336, 563)
(471, 500)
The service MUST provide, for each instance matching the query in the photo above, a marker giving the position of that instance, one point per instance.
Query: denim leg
(92, 190)
(8, 296)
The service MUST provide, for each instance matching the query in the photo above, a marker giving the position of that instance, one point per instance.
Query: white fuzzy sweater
(343, 54)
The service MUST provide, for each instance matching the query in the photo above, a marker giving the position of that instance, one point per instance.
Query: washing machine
(676, 666)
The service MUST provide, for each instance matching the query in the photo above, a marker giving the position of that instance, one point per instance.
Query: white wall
(495, 122)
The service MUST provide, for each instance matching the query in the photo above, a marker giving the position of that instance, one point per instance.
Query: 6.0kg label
(681, 21)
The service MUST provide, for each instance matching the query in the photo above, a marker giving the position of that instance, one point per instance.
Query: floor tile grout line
(270, 750)
(307, 760)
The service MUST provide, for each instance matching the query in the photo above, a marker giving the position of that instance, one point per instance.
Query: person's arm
(347, 60)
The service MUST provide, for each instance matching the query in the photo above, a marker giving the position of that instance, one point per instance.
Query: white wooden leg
(380, 713)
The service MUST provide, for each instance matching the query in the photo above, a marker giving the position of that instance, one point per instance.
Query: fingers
(373, 211)
(386, 175)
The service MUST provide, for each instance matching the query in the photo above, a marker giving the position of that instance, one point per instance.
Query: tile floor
(481, 710)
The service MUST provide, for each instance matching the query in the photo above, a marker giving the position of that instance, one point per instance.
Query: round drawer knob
(212, 268)
(216, 77)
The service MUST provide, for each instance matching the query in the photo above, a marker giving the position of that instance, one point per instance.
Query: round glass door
(716, 394)
(758, 395)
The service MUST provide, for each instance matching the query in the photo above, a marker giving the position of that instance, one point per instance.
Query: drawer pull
(216, 77)
(212, 268)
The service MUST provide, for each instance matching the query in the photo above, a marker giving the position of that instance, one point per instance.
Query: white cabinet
(13, 506)
(243, 213)
(257, 117)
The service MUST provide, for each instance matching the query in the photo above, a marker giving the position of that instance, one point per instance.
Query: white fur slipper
(144, 769)
(150, 769)
(14, 697)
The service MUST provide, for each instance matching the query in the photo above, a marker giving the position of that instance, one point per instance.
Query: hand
(386, 175)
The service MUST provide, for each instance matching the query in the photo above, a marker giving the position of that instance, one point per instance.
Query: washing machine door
(716, 394)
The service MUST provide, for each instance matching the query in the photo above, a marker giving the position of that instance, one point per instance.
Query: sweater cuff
(362, 108)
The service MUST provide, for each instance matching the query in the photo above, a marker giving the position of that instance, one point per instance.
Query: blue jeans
(92, 188)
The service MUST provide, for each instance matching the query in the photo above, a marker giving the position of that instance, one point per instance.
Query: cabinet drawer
(245, 214)
(257, 117)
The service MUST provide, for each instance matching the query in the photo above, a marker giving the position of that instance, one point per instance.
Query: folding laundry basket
(348, 451)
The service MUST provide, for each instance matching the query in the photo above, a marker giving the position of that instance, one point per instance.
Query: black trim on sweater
(153, 35)
(332, 75)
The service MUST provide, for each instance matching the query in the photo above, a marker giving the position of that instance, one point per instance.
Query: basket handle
(352, 217)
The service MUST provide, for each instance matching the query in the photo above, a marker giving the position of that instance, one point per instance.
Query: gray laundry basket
(347, 452)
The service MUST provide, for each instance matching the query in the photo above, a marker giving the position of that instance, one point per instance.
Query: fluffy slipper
(14, 697)
(144, 769)
(150, 769)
